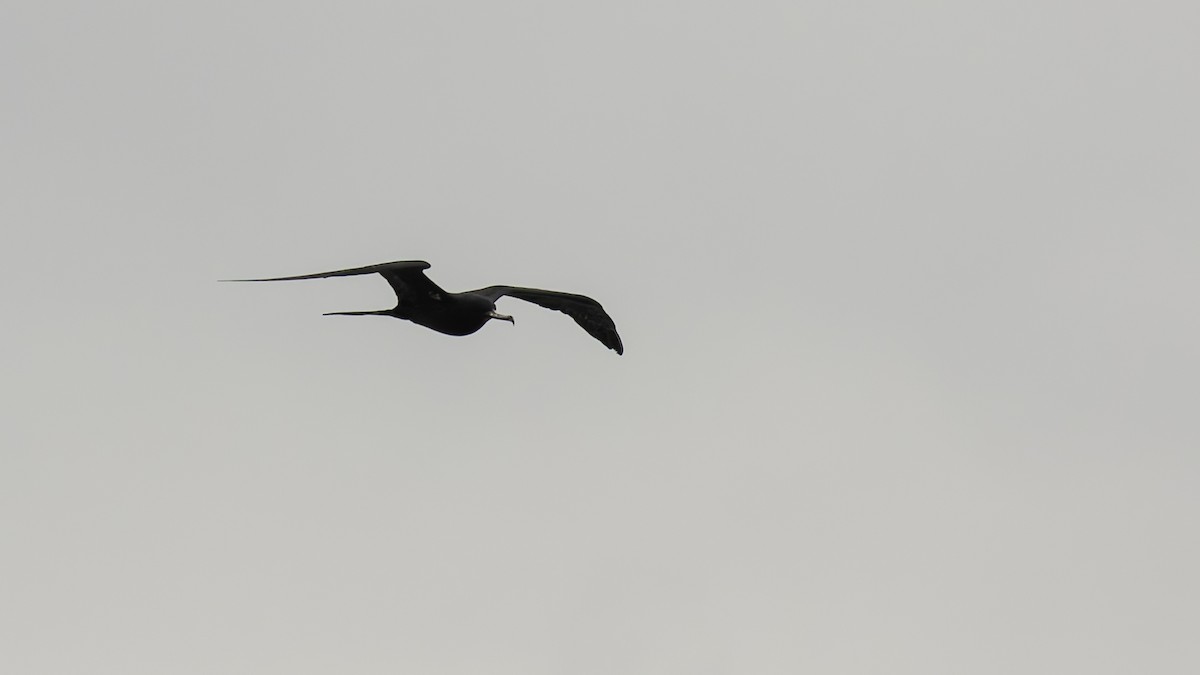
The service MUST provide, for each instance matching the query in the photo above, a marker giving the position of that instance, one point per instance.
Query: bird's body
(453, 314)
(422, 302)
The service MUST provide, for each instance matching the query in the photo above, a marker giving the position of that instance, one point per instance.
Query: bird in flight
(423, 302)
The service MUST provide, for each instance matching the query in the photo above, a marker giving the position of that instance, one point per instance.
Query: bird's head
(483, 306)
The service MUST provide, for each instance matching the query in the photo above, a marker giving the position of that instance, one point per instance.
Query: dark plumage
(421, 301)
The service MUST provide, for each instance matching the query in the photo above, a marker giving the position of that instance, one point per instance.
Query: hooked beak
(503, 317)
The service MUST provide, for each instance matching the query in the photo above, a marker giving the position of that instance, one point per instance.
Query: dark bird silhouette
(422, 302)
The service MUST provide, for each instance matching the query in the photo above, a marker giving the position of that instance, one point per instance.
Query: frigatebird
(423, 302)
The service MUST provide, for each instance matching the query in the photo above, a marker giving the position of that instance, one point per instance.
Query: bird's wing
(406, 277)
(587, 312)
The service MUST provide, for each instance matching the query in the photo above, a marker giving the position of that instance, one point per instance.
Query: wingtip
(615, 343)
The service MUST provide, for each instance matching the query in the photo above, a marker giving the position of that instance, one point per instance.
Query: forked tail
(377, 312)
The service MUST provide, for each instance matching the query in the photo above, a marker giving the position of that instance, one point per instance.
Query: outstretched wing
(587, 312)
(406, 277)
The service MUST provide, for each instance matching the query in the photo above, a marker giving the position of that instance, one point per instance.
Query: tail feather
(377, 312)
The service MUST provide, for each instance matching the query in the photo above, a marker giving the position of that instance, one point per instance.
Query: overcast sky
(908, 292)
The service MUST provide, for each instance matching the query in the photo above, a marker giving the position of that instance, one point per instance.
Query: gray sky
(908, 291)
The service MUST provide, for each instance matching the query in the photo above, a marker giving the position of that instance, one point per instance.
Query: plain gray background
(909, 292)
